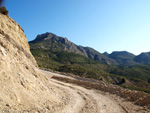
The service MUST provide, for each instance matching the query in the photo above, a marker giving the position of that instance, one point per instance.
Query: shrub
(148, 80)
(123, 80)
(3, 10)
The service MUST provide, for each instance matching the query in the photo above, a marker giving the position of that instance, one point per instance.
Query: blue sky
(105, 25)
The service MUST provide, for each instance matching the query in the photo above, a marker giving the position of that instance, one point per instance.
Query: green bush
(3, 10)
(123, 80)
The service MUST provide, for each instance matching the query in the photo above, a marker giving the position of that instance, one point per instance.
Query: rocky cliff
(22, 86)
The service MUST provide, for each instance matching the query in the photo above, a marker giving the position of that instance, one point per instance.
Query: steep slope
(49, 41)
(22, 86)
(95, 55)
(143, 58)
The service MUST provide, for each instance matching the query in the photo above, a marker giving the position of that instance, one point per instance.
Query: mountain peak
(122, 57)
(122, 53)
(52, 42)
(105, 53)
(44, 36)
(143, 58)
(48, 36)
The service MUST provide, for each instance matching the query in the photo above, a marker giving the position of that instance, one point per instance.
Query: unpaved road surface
(81, 100)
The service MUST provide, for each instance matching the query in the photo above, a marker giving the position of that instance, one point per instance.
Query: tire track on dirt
(86, 101)
(81, 100)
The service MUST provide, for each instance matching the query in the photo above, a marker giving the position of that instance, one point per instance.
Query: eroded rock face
(14, 34)
(22, 86)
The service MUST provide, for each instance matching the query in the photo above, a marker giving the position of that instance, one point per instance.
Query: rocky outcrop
(23, 88)
(14, 34)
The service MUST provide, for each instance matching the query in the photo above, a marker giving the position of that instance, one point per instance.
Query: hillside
(143, 58)
(128, 59)
(48, 50)
(123, 58)
(52, 42)
(23, 87)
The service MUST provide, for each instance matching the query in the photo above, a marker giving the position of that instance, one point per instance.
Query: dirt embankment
(23, 88)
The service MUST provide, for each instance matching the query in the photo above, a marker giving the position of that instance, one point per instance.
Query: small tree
(3, 10)
(149, 80)
(123, 80)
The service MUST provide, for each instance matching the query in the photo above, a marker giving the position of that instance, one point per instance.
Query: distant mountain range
(50, 41)
(53, 42)
(143, 58)
(126, 58)
(120, 67)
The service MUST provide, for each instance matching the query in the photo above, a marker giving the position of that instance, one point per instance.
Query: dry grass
(137, 97)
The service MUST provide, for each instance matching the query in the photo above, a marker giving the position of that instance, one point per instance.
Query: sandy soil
(81, 100)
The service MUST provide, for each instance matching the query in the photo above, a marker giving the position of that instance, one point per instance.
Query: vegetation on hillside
(3, 10)
(133, 77)
(119, 68)
(137, 97)
(52, 42)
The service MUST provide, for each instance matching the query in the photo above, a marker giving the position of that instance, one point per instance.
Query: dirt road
(81, 100)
